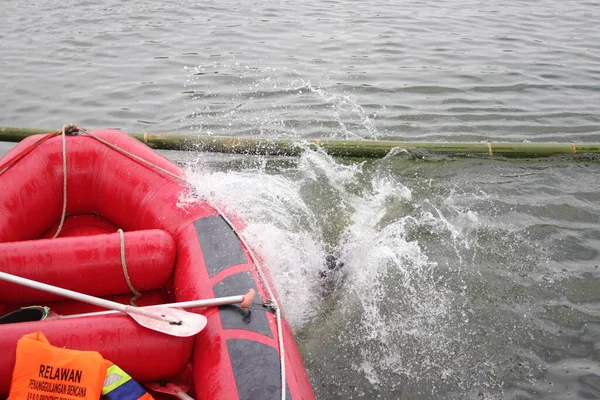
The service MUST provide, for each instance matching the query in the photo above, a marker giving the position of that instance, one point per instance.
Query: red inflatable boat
(117, 227)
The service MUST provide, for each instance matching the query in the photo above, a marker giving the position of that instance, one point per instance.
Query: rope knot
(70, 129)
(270, 305)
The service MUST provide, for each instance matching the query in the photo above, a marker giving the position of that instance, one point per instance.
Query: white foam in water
(392, 278)
(317, 164)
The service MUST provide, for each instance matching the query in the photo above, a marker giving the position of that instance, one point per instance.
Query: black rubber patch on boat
(219, 243)
(256, 369)
(235, 317)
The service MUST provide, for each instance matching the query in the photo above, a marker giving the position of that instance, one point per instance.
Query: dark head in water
(332, 275)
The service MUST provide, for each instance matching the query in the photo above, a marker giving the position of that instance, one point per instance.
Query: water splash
(270, 102)
(425, 307)
(408, 328)
(277, 219)
(403, 318)
(346, 108)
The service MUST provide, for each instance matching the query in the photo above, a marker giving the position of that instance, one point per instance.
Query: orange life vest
(45, 372)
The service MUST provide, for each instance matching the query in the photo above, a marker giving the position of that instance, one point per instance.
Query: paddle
(161, 319)
(244, 300)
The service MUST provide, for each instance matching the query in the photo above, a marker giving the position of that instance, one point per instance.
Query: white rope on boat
(137, 294)
(64, 157)
(131, 155)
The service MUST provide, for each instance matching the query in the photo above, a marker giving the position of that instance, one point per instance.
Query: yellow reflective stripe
(115, 377)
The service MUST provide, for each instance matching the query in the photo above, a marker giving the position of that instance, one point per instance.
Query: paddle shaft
(117, 307)
(219, 301)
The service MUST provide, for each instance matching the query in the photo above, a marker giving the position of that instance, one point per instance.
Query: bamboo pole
(339, 148)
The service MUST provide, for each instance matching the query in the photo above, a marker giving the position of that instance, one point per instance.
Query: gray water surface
(463, 279)
(465, 70)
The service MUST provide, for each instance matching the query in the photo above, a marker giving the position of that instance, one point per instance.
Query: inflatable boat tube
(87, 264)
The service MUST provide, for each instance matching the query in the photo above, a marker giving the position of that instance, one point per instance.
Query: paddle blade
(170, 321)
